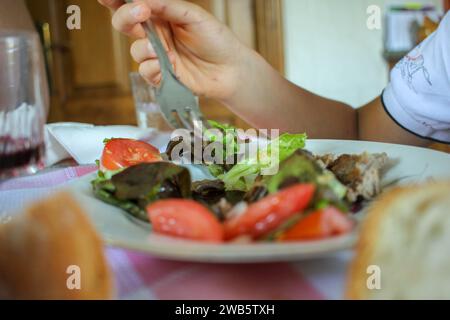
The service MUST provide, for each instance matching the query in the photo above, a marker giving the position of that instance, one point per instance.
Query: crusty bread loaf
(38, 247)
(407, 235)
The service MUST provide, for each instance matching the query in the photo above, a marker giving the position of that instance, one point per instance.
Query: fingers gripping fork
(178, 104)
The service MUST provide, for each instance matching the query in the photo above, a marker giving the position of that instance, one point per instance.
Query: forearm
(14, 15)
(267, 100)
(375, 125)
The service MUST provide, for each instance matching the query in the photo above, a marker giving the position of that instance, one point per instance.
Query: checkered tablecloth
(140, 276)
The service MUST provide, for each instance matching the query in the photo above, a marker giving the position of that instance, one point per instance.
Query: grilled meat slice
(361, 174)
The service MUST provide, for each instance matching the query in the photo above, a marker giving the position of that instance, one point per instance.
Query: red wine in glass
(17, 155)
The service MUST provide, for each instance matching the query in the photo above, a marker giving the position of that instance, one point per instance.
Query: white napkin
(84, 142)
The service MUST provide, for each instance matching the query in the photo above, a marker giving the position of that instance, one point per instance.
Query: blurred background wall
(330, 51)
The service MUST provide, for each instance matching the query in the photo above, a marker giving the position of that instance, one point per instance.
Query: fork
(178, 104)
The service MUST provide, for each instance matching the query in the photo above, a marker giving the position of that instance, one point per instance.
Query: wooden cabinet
(89, 68)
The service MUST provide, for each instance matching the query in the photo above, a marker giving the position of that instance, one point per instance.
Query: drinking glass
(148, 112)
(23, 104)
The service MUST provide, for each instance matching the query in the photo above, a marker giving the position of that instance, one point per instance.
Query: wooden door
(88, 67)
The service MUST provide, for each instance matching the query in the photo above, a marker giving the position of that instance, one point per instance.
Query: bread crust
(356, 288)
(38, 246)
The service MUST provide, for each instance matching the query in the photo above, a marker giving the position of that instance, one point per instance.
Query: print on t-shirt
(412, 65)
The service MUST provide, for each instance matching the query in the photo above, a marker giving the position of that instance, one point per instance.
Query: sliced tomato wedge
(267, 214)
(185, 219)
(319, 225)
(124, 153)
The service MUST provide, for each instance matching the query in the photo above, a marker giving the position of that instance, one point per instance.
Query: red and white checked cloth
(139, 276)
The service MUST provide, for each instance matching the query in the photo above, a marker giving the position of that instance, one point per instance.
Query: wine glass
(148, 112)
(23, 104)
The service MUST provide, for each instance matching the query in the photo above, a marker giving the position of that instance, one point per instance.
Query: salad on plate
(307, 198)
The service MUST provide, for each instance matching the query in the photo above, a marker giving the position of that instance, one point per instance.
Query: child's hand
(207, 57)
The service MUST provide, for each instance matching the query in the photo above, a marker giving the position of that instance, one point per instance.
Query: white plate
(413, 165)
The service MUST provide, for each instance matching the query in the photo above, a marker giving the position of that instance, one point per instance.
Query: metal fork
(178, 104)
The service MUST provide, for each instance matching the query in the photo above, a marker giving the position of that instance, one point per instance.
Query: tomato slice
(185, 219)
(124, 153)
(267, 214)
(319, 225)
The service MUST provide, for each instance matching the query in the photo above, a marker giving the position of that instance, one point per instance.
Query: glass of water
(23, 104)
(148, 112)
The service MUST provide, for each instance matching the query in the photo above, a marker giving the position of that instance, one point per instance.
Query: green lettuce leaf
(221, 126)
(216, 170)
(301, 167)
(243, 175)
(229, 137)
(134, 188)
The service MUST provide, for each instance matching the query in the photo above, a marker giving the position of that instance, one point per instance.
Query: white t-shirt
(418, 97)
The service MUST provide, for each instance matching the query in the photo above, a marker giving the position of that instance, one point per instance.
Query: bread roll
(42, 249)
(407, 235)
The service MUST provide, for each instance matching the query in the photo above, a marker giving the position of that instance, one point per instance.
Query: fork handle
(152, 35)
(166, 65)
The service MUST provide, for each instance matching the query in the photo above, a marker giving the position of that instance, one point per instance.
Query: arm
(267, 100)
(414, 107)
(274, 102)
(374, 124)
(14, 15)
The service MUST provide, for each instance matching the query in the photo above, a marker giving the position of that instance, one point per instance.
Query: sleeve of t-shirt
(418, 96)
